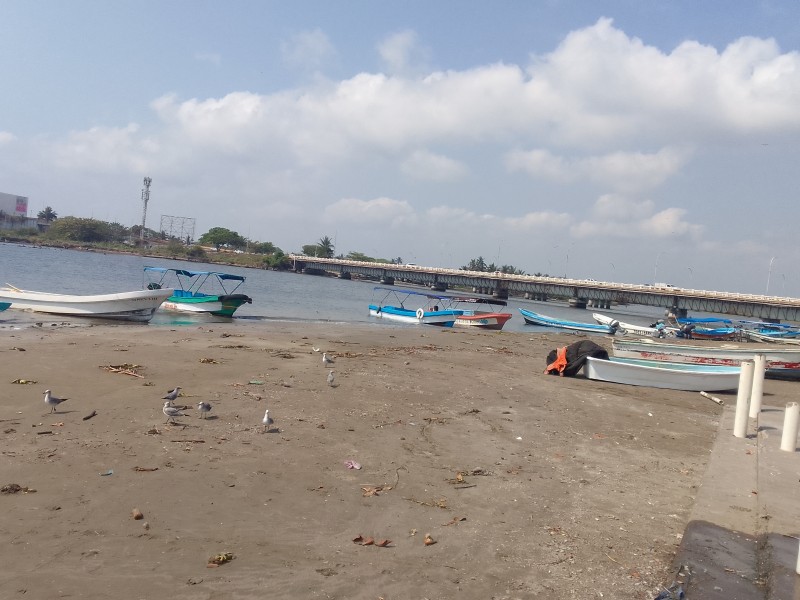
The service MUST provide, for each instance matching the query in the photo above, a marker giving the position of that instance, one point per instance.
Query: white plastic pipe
(790, 424)
(757, 393)
(743, 398)
(797, 570)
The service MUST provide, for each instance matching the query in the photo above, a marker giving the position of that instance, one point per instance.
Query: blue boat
(532, 318)
(689, 329)
(4, 305)
(427, 310)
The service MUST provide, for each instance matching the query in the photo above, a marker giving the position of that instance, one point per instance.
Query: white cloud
(373, 212)
(402, 53)
(209, 57)
(7, 137)
(308, 51)
(423, 164)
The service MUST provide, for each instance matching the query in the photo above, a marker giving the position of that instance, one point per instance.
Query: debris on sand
(14, 488)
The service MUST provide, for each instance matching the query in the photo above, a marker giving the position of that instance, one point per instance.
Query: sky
(631, 141)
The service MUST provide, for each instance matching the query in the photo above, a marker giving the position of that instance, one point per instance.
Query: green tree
(197, 253)
(80, 230)
(219, 236)
(326, 246)
(48, 214)
(263, 248)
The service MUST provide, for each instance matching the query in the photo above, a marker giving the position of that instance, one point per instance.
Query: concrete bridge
(580, 293)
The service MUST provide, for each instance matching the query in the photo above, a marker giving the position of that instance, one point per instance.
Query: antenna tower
(145, 198)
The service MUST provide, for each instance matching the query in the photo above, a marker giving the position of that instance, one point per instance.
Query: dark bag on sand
(567, 361)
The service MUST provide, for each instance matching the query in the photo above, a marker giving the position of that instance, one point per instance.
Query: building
(13, 205)
(14, 213)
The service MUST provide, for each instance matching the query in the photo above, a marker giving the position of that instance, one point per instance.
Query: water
(276, 295)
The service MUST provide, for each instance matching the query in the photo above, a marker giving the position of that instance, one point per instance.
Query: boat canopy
(451, 299)
(685, 320)
(185, 273)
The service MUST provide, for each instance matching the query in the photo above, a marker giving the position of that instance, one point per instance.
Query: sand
(530, 486)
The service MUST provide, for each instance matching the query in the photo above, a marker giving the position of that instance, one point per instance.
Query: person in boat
(661, 329)
(686, 330)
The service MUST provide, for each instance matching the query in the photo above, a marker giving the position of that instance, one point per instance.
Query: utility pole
(145, 199)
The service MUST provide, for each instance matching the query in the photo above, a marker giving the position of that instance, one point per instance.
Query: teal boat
(199, 292)
(532, 318)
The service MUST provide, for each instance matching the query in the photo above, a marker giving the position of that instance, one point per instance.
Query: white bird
(267, 420)
(326, 360)
(171, 396)
(204, 407)
(52, 401)
(330, 378)
(315, 349)
(171, 412)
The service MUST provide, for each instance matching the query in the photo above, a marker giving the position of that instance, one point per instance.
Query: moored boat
(481, 319)
(4, 306)
(661, 374)
(137, 305)
(532, 318)
(391, 305)
(631, 329)
(199, 292)
(781, 362)
(689, 329)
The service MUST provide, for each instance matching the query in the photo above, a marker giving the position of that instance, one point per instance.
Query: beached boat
(532, 318)
(630, 329)
(761, 331)
(4, 306)
(781, 362)
(199, 292)
(390, 303)
(138, 305)
(481, 319)
(689, 329)
(665, 375)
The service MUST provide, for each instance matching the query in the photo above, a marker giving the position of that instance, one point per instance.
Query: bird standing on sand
(326, 360)
(171, 396)
(171, 412)
(330, 378)
(267, 420)
(52, 401)
(204, 407)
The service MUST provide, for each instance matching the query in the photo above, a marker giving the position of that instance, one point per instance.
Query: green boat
(198, 292)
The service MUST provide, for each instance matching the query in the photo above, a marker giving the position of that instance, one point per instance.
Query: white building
(13, 205)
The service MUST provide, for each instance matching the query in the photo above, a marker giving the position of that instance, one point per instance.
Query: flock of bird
(172, 412)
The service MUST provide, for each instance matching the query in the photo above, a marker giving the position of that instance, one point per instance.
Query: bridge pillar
(313, 271)
(680, 313)
(344, 275)
(500, 294)
(387, 280)
(438, 286)
(577, 302)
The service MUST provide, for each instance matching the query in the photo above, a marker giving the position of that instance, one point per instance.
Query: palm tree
(326, 247)
(47, 215)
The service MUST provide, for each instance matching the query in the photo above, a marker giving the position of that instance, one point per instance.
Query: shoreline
(528, 484)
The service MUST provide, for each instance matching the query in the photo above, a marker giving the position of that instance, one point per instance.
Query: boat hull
(532, 318)
(482, 320)
(625, 328)
(781, 363)
(664, 375)
(218, 306)
(125, 306)
(4, 306)
(442, 318)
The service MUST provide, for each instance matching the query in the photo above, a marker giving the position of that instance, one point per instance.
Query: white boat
(627, 328)
(665, 375)
(138, 305)
(391, 305)
(781, 362)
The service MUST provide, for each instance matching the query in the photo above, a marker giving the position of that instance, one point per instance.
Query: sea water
(277, 295)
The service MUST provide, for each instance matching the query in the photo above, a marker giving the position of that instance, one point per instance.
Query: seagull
(171, 396)
(203, 407)
(315, 349)
(326, 360)
(330, 378)
(267, 420)
(171, 412)
(52, 401)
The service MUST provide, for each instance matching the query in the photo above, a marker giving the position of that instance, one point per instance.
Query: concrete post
(743, 398)
(790, 425)
(757, 393)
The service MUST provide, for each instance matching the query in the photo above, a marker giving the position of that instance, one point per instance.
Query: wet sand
(529, 485)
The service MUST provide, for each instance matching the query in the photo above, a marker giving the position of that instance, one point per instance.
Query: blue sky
(625, 141)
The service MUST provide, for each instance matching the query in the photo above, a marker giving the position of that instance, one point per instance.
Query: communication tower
(145, 198)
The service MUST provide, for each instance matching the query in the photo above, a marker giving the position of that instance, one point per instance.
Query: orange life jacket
(560, 363)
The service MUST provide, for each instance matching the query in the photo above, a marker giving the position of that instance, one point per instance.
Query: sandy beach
(524, 485)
